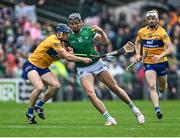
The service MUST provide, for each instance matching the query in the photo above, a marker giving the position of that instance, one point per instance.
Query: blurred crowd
(20, 33)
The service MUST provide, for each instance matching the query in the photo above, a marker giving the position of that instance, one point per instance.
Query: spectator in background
(2, 66)
(10, 63)
(46, 29)
(34, 29)
(92, 7)
(23, 10)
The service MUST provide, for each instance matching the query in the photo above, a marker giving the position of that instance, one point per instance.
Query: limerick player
(81, 40)
(155, 41)
(36, 69)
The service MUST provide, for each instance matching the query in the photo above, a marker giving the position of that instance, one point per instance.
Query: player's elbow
(171, 50)
(68, 57)
(107, 42)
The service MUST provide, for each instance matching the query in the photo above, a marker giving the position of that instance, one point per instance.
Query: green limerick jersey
(82, 43)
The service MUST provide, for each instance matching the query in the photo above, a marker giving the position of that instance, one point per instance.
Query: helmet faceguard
(60, 29)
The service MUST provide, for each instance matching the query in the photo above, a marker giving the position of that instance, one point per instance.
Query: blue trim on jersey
(152, 43)
(27, 67)
(160, 68)
(52, 53)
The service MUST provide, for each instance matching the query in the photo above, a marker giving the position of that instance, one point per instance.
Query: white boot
(139, 116)
(110, 122)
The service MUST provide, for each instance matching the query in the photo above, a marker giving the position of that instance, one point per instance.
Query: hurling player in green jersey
(81, 40)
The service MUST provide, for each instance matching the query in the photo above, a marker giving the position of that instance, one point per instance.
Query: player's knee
(152, 87)
(162, 90)
(56, 85)
(40, 88)
(90, 93)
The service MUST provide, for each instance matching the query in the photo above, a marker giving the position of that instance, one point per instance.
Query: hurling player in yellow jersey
(36, 69)
(155, 41)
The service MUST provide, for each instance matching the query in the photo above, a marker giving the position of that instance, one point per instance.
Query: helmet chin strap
(59, 35)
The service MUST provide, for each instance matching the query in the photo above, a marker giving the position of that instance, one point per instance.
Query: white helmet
(152, 13)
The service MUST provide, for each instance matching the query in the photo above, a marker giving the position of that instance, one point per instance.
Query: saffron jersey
(45, 53)
(153, 43)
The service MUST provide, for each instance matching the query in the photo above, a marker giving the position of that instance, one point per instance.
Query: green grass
(81, 119)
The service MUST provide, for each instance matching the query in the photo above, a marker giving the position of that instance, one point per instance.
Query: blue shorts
(28, 67)
(160, 68)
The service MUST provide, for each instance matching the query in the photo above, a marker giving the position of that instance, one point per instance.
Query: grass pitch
(81, 119)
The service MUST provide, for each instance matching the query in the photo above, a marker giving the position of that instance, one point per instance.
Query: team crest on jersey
(166, 35)
(80, 39)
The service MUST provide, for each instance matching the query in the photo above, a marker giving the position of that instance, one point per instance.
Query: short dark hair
(74, 16)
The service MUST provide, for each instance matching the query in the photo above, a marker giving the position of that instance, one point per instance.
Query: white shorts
(93, 69)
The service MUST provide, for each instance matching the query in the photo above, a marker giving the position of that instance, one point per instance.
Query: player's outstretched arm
(69, 57)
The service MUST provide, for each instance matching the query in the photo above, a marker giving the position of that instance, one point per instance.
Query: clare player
(36, 69)
(155, 41)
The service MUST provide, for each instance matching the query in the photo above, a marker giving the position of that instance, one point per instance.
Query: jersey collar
(153, 29)
(78, 33)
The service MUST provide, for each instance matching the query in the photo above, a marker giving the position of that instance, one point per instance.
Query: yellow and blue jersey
(153, 43)
(45, 53)
(43, 56)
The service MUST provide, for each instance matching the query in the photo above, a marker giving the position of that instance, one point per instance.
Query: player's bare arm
(64, 54)
(168, 51)
(69, 50)
(137, 49)
(101, 36)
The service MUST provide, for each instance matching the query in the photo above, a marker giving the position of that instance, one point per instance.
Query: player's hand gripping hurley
(135, 62)
(127, 48)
